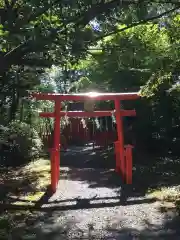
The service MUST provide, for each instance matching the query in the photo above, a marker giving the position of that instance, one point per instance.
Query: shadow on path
(92, 203)
(76, 204)
(97, 169)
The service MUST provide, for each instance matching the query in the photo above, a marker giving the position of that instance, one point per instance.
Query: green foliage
(144, 58)
(40, 34)
(122, 47)
(28, 140)
(82, 85)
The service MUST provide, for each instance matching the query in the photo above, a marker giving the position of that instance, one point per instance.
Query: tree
(147, 58)
(49, 27)
(39, 34)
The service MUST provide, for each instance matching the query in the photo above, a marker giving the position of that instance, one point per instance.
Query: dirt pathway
(91, 203)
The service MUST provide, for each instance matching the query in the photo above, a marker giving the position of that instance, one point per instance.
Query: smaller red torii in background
(123, 153)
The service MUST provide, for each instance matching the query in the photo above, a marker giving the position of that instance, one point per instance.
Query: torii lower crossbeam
(122, 155)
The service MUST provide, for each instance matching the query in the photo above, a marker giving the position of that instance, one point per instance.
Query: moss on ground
(22, 186)
(168, 196)
(27, 183)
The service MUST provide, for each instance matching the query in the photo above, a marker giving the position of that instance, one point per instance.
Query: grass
(168, 196)
(22, 186)
(27, 183)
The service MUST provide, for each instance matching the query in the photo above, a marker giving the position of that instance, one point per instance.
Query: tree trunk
(21, 115)
(15, 98)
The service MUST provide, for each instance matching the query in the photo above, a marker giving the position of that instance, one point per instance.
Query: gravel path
(91, 203)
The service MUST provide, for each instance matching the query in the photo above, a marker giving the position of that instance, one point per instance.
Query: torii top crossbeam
(86, 96)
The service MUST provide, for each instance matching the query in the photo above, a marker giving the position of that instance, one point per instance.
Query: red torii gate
(123, 153)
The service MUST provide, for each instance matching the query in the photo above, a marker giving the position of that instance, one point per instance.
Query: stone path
(90, 203)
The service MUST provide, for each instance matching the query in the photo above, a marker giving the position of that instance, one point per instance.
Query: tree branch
(7, 60)
(96, 10)
(144, 21)
(16, 49)
(104, 7)
(6, 2)
(13, 2)
(164, 2)
(34, 62)
(42, 11)
(33, 16)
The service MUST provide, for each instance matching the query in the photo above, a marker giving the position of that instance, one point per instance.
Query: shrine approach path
(92, 203)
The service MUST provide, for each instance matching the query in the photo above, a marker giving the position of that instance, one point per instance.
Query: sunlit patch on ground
(26, 183)
(166, 193)
(30, 199)
(23, 186)
(169, 197)
(41, 169)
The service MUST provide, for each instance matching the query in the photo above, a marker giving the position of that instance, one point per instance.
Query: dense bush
(26, 144)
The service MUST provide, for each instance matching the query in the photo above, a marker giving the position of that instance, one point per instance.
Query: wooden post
(53, 171)
(128, 157)
(120, 137)
(56, 149)
(117, 157)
